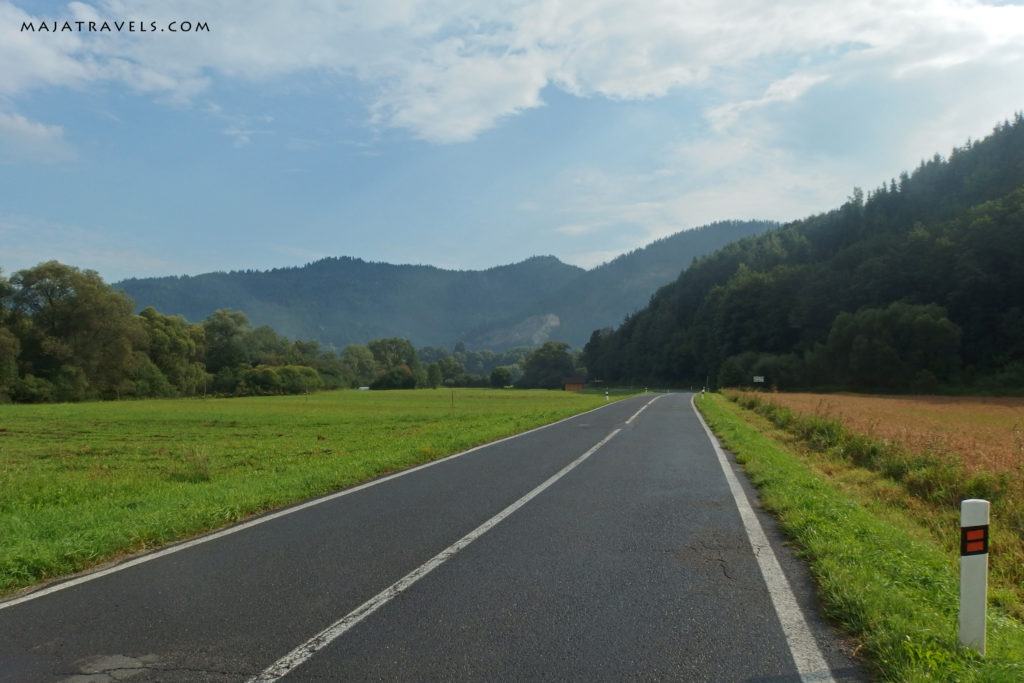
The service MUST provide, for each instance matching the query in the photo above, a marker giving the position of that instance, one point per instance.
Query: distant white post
(973, 572)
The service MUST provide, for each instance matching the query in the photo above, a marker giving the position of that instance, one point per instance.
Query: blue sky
(464, 133)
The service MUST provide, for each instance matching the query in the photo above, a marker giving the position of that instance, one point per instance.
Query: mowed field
(987, 434)
(81, 484)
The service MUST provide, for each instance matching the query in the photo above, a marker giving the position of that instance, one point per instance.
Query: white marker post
(973, 572)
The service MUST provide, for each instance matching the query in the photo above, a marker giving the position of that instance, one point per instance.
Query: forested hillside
(916, 286)
(341, 301)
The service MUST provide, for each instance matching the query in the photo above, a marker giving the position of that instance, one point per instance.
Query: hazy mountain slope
(603, 296)
(347, 300)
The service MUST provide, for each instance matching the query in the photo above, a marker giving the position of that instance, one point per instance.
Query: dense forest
(341, 301)
(65, 335)
(915, 287)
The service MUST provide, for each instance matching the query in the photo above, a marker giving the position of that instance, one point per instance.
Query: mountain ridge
(347, 300)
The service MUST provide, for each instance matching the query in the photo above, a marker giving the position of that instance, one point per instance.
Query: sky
(178, 137)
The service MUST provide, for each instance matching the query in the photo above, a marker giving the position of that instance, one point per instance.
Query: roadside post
(973, 572)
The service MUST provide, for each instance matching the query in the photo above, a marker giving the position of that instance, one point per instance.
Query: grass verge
(81, 484)
(880, 574)
(929, 483)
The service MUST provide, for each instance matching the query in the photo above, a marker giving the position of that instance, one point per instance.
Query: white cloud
(449, 98)
(787, 89)
(33, 60)
(447, 70)
(25, 140)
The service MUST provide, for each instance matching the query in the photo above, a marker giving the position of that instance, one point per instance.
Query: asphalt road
(606, 547)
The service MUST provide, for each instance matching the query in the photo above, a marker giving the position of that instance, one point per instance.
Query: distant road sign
(759, 378)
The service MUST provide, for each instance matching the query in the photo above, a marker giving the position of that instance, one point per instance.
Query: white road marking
(303, 652)
(637, 413)
(170, 550)
(810, 663)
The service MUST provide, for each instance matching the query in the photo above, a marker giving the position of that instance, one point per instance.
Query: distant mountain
(341, 301)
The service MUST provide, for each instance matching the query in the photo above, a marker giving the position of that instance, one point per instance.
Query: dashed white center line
(303, 652)
(637, 413)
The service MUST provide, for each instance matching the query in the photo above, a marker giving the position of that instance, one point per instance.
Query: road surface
(608, 546)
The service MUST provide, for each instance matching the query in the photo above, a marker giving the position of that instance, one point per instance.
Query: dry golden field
(986, 433)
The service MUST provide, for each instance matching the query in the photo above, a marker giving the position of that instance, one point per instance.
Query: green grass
(84, 483)
(880, 577)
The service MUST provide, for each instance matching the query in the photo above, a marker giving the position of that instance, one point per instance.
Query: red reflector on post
(974, 540)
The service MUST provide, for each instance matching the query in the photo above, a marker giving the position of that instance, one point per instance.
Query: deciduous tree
(80, 335)
(546, 367)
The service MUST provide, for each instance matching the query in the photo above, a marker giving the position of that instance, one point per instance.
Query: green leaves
(548, 366)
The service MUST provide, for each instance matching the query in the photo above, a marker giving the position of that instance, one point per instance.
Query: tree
(267, 347)
(501, 377)
(299, 379)
(359, 363)
(307, 352)
(145, 379)
(399, 377)
(332, 371)
(176, 347)
(261, 379)
(10, 349)
(434, 377)
(894, 348)
(77, 333)
(450, 368)
(393, 352)
(546, 367)
(228, 342)
(398, 353)
(6, 290)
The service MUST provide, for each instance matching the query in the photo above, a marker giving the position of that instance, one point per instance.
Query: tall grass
(882, 576)
(937, 481)
(84, 483)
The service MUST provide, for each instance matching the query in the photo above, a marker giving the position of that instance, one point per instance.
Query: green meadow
(85, 483)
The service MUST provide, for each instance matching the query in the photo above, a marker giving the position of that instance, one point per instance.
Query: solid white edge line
(302, 653)
(262, 519)
(810, 663)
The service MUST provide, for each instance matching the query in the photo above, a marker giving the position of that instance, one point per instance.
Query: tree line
(916, 286)
(66, 335)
